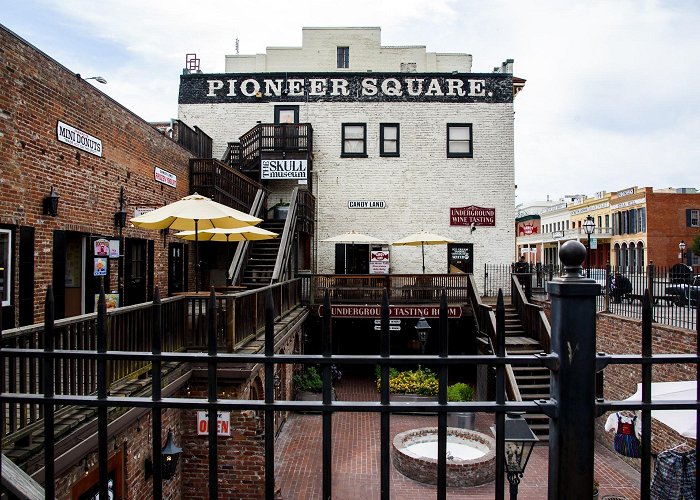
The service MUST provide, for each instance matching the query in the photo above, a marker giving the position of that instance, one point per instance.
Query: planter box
(410, 399)
(312, 396)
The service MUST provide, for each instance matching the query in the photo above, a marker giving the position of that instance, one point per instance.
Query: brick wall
(666, 225)
(135, 445)
(419, 187)
(36, 93)
(618, 335)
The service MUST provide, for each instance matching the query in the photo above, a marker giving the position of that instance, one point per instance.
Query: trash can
(280, 211)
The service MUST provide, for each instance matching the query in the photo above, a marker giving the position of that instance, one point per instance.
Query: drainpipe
(571, 440)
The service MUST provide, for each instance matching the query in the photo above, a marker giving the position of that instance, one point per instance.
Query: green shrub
(422, 382)
(378, 372)
(460, 392)
(308, 380)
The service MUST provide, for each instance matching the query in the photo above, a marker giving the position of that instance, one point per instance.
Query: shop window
(459, 140)
(5, 266)
(389, 139)
(354, 140)
(343, 57)
(694, 218)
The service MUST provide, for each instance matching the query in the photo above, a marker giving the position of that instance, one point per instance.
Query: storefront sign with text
(223, 423)
(350, 311)
(466, 216)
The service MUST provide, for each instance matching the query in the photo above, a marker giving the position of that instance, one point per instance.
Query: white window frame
(7, 289)
(695, 218)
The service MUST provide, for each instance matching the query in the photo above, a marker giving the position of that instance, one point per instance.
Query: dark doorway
(351, 259)
(134, 272)
(176, 268)
(460, 258)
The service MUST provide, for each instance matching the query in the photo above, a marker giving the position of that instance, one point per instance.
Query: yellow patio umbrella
(194, 213)
(246, 233)
(422, 238)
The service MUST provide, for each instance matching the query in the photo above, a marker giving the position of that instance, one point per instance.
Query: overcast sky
(611, 99)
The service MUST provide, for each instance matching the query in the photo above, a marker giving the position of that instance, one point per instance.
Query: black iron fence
(572, 408)
(674, 290)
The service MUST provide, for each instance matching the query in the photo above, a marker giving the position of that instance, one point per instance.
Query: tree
(695, 245)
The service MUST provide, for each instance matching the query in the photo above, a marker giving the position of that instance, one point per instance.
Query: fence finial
(572, 254)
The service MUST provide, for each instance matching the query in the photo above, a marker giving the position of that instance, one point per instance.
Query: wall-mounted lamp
(51, 203)
(98, 79)
(276, 381)
(472, 227)
(120, 215)
(170, 455)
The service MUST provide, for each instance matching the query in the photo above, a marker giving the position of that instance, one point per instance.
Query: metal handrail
(287, 238)
(235, 270)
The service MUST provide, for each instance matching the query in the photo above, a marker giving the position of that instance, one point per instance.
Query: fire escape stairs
(263, 256)
(532, 380)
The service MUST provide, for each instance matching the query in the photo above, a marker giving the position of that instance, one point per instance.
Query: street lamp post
(423, 329)
(681, 247)
(519, 441)
(588, 227)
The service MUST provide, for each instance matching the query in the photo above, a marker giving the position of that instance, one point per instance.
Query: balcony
(565, 235)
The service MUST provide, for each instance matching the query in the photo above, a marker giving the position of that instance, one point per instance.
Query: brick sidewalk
(355, 471)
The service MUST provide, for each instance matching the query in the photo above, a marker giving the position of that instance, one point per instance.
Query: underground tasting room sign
(466, 216)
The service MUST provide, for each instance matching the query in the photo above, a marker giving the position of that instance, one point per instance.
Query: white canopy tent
(682, 421)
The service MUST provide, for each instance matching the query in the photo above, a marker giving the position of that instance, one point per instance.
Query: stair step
(531, 387)
(531, 377)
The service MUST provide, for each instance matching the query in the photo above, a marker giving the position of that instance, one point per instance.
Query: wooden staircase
(532, 380)
(262, 258)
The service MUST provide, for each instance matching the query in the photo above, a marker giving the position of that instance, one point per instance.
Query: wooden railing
(401, 288)
(531, 316)
(194, 140)
(273, 138)
(216, 180)
(184, 320)
(486, 325)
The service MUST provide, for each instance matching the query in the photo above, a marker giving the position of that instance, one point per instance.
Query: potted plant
(308, 383)
(460, 392)
(411, 385)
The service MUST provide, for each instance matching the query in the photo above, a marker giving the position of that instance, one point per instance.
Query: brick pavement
(355, 469)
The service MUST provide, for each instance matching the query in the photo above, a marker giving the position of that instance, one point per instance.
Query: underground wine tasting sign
(330, 87)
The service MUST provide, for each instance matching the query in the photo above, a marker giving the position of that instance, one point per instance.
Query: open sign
(223, 423)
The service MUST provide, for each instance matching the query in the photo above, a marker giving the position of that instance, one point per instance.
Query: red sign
(527, 229)
(350, 311)
(466, 216)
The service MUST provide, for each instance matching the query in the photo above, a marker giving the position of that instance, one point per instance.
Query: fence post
(571, 440)
(607, 288)
(650, 280)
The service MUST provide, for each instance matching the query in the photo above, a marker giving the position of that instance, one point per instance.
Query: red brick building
(60, 134)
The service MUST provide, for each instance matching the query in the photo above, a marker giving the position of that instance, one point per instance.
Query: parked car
(685, 293)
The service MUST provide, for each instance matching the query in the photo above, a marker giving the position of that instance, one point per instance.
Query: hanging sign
(113, 249)
(379, 262)
(101, 247)
(165, 177)
(466, 216)
(71, 135)
(351, 311)
(283, 169)
(100, 267)
(223, 423)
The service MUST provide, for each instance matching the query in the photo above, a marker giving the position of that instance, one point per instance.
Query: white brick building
(415, 131)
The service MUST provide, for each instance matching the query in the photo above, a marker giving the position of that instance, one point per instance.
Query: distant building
(633, 227)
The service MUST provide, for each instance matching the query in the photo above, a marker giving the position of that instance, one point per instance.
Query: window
(5, 266)
(343, 57)
(694, 218)
(459, 140)
(642, 220)
(354, 139)
(607, 221)
(389, 139)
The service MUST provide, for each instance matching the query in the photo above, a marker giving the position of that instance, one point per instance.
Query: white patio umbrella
(423, 238)
(194, 213)
(352, 238)
(684, 422)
